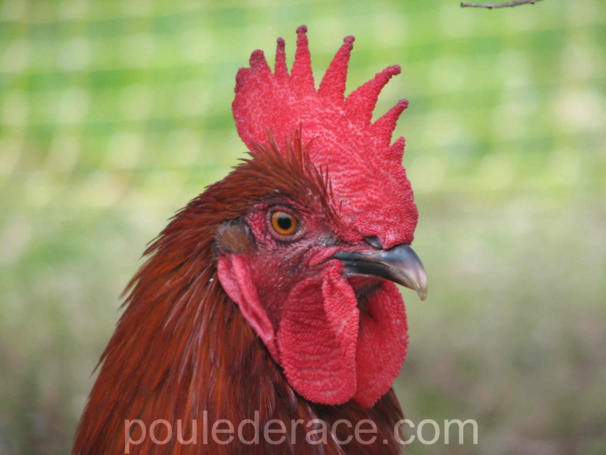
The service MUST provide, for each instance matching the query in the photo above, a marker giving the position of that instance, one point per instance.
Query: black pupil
(284, 222)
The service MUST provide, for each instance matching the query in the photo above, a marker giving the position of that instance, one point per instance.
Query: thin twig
(499, 5)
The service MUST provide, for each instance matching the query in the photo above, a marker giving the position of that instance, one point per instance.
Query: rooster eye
(284, 223)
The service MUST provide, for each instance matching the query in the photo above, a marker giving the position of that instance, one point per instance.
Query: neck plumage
(183, 353)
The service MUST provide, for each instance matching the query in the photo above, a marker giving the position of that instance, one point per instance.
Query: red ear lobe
(235, 277)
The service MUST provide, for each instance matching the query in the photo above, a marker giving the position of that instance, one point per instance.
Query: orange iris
(284, 223)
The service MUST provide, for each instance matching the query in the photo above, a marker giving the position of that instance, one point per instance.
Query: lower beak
(399, 264)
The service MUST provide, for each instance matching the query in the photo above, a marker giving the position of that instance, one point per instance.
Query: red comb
(280, 102)
(345, 140)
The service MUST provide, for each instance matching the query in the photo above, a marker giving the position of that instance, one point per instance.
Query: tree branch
(499, 5)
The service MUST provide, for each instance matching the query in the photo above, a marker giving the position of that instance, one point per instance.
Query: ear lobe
(235, 277)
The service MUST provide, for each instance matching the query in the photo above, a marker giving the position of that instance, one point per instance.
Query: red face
(325, 307)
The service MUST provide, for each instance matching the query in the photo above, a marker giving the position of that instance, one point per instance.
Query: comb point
(302, 79)
(384, 126)
(396, 151)
(334, 81)
(280, 69)
(361, 103)
(257, 59)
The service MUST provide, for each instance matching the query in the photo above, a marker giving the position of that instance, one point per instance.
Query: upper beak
(399, 264)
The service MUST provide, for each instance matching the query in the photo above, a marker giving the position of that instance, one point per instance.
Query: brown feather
(183, 347)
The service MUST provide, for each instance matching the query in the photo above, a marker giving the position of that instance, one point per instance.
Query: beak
(399, 264)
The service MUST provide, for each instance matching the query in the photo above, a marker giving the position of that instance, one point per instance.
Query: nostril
(374, 242)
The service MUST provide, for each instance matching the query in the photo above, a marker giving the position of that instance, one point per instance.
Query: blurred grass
(114, 114)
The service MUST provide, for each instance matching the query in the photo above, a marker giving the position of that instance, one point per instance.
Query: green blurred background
(115, 114)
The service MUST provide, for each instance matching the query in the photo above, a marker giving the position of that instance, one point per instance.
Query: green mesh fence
(104, 103)
(115, 114)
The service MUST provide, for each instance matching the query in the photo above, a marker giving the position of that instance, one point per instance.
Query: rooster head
(313, 263)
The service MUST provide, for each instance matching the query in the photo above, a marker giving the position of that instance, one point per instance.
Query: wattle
(332, 352)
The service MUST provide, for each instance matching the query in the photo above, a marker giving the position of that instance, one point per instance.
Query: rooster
(271, 297)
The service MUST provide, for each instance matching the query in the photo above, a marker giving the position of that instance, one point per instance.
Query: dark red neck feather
(182, 346)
